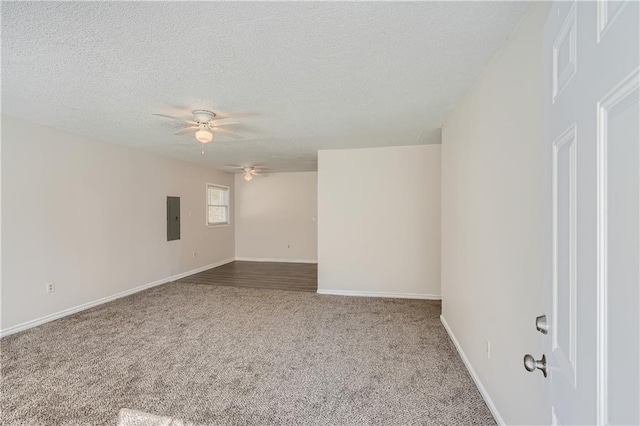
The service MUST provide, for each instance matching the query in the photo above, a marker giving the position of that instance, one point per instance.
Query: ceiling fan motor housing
(203, 116)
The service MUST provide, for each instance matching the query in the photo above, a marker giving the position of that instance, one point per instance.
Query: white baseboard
(84, 306)
(379, 294)
(474, 376)
(269, 259)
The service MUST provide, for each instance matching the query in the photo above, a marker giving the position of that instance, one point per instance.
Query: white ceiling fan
(249, 172)
(204, 125)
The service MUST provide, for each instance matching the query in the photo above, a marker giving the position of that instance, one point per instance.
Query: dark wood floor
(274, 275)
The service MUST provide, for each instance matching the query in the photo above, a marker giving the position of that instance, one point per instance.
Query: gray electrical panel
(173, 218)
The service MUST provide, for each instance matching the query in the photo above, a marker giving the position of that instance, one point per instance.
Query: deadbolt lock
(541, 324)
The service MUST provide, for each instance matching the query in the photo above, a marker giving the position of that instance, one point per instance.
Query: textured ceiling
(306, 76)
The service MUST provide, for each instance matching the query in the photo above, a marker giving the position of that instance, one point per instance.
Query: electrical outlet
(195, 254)
(488, 348)
(50, 287)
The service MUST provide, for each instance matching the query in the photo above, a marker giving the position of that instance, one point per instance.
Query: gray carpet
(237, 356)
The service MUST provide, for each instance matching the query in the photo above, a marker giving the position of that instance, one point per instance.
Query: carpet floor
(237, 356)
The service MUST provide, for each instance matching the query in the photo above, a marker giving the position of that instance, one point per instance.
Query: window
(217, 205)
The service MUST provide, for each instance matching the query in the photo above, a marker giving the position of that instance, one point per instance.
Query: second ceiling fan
(248, 172)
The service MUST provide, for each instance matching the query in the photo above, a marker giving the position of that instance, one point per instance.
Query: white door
(592, 302)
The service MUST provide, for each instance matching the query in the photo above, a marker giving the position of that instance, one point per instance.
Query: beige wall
(276, 217)
(91, 216)
(496, 221)
(379, 221)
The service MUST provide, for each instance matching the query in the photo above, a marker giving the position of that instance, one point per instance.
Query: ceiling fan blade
(184, 131)
(222, 121)
(238, 114)
(175, 118)
(225, 132)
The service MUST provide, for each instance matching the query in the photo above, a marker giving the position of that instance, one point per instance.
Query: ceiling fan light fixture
(204, 136)
(248, 176)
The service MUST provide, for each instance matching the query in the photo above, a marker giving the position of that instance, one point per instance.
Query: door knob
(530, 364)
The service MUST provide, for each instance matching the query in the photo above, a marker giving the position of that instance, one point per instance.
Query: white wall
(276, 217)
(496, 221)
(379, 220)
(91, 217)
